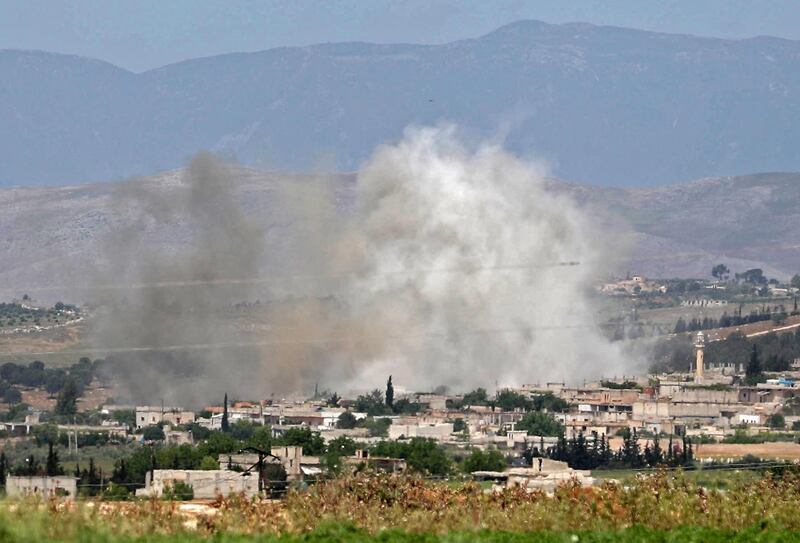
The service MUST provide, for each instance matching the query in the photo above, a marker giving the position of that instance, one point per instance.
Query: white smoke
(470, 271)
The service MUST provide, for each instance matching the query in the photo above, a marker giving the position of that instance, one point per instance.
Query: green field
(346, 533)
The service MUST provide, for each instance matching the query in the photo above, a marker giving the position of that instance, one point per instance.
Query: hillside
(52, 237)
(602, 105)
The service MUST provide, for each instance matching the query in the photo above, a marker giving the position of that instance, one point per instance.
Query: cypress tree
(389, 393)
(224, 425)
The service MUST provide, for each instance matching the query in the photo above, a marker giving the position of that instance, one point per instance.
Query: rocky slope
(52, 240)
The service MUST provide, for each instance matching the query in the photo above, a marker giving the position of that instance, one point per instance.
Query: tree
(153, 433)
(776, 421)
(67, 403)
(796, 280)
(720, 271)
(389, 393)
(346, 421)
(53, 466)
(508, 400)
(3, 468)
(311, 442)
(224, 424)
(12, 396)
(540, 424)
(476, 397)
(372, 404)
(209, 463)
(483, 461)
(333, 401)
(753, 370)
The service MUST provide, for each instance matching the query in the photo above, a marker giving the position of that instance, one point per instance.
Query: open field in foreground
(348, 534)
(660, 507)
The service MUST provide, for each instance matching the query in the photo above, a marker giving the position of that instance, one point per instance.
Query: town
(734, 402)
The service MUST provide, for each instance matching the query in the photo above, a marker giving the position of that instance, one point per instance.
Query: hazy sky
(144, 34)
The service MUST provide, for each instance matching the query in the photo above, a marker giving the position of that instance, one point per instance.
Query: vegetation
(53, 380)
(16, 315)
(395, 508)
(479, 460)
(538, 423)
(423, 456)
(775, 352)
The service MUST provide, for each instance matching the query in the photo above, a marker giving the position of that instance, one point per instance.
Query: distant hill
(602, 105)
(56, 236)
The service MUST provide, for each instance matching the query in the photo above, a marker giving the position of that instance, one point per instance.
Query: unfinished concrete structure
(61, 486)
(206, 484)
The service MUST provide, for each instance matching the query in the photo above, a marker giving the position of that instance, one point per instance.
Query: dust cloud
(453, 265)
(468, 272)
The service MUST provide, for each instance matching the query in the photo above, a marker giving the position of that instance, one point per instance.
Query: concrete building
(439, 432)
(206, 484)
(149, 415)
(43, 486)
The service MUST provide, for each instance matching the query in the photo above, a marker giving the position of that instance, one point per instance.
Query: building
(174, 416)
(439, 432)
(206, 484)
(43, 486)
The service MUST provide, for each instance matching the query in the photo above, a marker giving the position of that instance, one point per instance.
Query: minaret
(699, 345)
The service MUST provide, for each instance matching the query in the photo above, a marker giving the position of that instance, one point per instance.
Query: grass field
(664, 507)
(346, 533)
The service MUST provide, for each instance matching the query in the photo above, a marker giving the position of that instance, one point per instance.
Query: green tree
(483, 461)
(209, 463)
(346, 421)
(776, 421)
(389, 393)
(372, 404)
(53, 467)
(753, 371)
(224, 424)
(338, 448)
(67, 402)
(476, 397)
(3, 468)
(796, 280)
(312, 442)
(538, 423)
(720, 271)
(153, 433)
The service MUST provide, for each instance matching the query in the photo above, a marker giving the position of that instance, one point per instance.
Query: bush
(540, 424)
(179, 491)
(346, 421)
(483, 461)
(209, 463)
(12, 396)
(116, 492)
(153, 433)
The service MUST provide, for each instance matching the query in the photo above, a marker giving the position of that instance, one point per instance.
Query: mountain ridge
(603, 105)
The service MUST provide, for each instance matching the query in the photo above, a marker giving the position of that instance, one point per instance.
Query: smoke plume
(467, 271)
(445, 265)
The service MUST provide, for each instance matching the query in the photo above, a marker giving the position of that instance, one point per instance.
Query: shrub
(179, 491)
